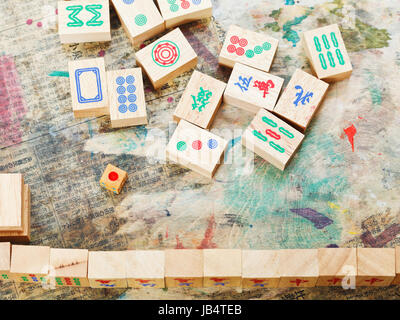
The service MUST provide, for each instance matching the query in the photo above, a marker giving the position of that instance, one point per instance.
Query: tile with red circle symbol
(337, 265)
(166, 58)
(113, 178)
(272, 139)
(196, 148)
(177, 12)
(298, 268)
(260, 268)
(69, 267)
(251, 48)
(126, 98)
(140, 18)
(376, 267)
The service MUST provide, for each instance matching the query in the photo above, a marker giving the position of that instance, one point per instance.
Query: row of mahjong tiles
(201, 268)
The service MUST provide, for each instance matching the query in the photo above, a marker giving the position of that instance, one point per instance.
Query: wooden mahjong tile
(254, 49)
(327, 53)
(11, 197)
(272, 139)
(336, 265)
(222, 267)
(200, 100)
(177, 12)
(196, 148)
(397, 279)
(107, 269)
(301, 99)
(68, 267)
(30, 263)
(252, 89)
(166, 58)
(84, 21)
(17, 236)
(376, 267)
(140, 19)
(127, 101)
(5, 260)
(113, 178)
(88, 87)
(145, 268)
(260, 268)
(184, 268)
(298, 268)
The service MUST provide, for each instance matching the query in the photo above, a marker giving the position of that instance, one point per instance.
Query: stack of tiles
(84, 21)
(177, 12)
(15, 208)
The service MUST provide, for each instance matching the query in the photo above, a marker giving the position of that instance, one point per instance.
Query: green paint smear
(276, 13)
(336, 11)
(374, 89)
(260, 198)
(364, 36)
(292, 35)
(59, 74)
(273, 26)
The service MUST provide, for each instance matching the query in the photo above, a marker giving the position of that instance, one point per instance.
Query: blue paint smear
(90, 130)
(289, 2)
(318, 219)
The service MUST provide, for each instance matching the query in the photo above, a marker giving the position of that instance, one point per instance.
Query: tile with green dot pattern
(140, 19)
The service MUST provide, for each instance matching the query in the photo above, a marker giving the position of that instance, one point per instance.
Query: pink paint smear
(12, 103)
(207, 243)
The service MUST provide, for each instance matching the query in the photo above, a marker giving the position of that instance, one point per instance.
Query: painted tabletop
(341, 189)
